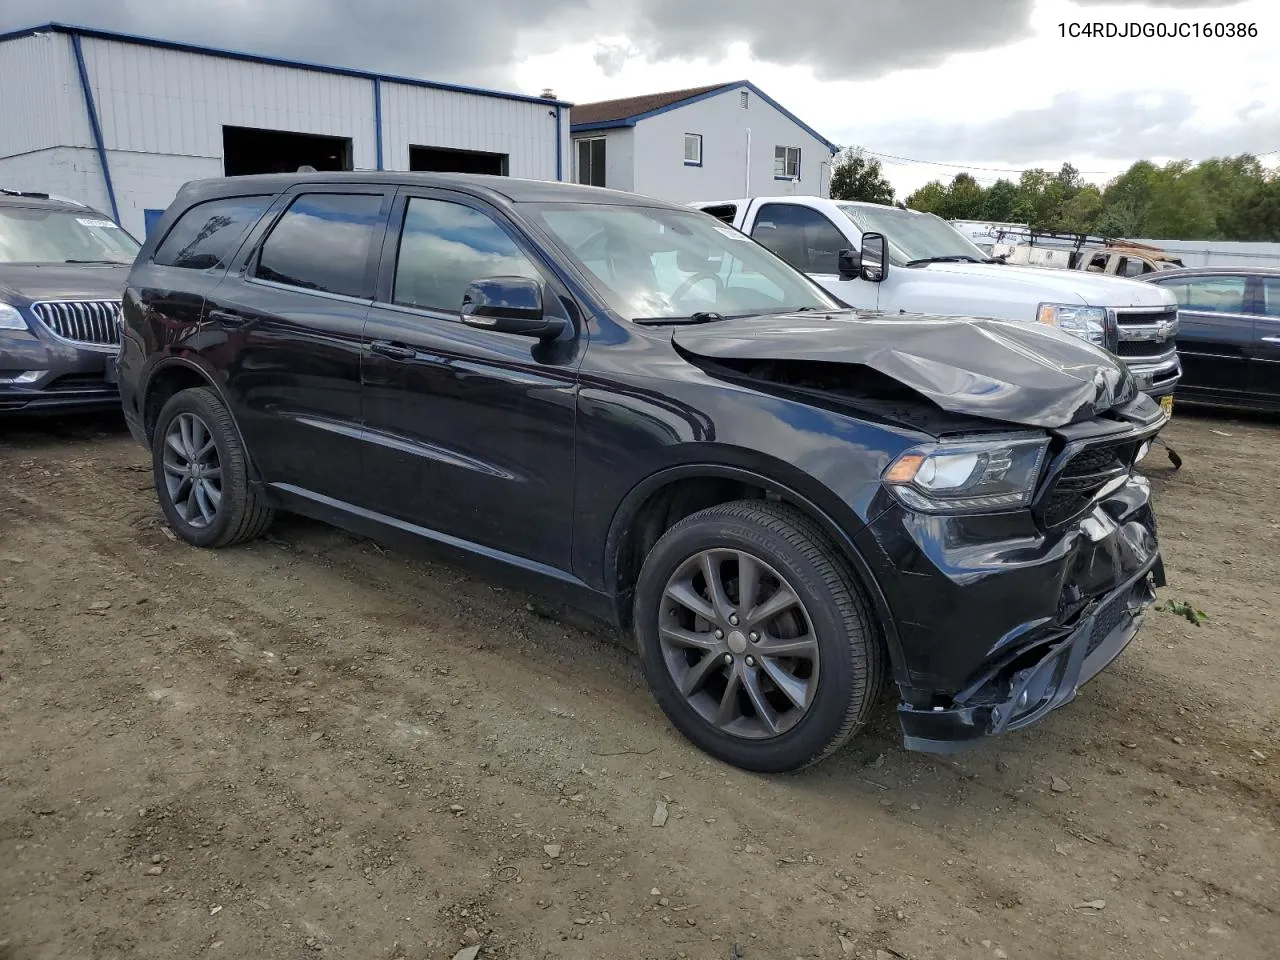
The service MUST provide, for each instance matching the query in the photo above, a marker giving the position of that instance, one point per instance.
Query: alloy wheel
(192, 470)
(739, 643)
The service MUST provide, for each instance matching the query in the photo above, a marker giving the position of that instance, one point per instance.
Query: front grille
(91, 322)
(76, 382)
(1150, 350)
(1082, 478)
(1145, 316)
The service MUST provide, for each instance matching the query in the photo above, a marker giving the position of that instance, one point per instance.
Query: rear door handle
(227, 318)
(395, 351)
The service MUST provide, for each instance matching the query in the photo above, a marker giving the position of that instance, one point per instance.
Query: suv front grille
(90, 322)
(1083, 477)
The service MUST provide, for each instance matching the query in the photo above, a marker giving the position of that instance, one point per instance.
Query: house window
(693, 149)
(786, 163)
(591, 162)
(746, 99)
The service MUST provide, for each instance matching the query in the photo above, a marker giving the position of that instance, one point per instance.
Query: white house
(121, 122)
(727, 140)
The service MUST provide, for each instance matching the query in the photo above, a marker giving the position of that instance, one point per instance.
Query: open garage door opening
(247, 151)
(443, 160)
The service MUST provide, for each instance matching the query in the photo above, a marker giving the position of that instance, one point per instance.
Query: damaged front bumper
(1001, 623)
(1019, 694)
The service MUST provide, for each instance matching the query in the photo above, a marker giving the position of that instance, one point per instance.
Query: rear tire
(775, 691)
(201, 473)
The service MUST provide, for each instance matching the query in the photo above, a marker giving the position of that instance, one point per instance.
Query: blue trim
(740, 84)
(143, 41)
(377, 120)
(559, 149)
(150, 218)
(92, 108)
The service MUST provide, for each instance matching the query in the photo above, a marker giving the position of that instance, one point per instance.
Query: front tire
(755, 638)
(201, 473)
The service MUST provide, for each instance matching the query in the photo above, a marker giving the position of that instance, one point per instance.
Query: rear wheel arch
(663, 499)
(170, 377)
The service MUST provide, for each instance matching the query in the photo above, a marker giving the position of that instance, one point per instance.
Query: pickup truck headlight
(973, 476)
(1087, 323)
(10, 318)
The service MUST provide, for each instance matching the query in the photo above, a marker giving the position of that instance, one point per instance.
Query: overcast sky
(984, 83)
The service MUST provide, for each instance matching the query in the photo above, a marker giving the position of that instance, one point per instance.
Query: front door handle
(1271, 339)
(395, 351)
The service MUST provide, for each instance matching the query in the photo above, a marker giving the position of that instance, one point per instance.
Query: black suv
(62, 272)
(642, 412)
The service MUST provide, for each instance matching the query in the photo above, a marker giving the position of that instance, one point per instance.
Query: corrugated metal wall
(442, 118)
(170, 102)
(40, 101)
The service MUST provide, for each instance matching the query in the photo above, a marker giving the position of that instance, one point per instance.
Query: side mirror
(509, 305)
(874, 264)
(850, 265)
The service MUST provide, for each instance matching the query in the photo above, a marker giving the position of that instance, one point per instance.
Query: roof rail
(37, 195)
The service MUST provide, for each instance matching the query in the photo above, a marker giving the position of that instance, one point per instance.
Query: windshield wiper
(953, 258)
(114, 263)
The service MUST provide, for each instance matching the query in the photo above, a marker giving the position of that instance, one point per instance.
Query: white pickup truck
(892, 260)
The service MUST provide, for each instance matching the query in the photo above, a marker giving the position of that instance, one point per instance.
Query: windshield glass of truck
(655, 264)
(913, 237)
(33, 235)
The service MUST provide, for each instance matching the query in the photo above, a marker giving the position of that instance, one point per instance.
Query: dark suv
(62, 272)
(642, 412)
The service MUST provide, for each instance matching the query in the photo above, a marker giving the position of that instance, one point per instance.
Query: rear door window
(208, 234)
(1210, 294)
(322, 242)
(1271, 297)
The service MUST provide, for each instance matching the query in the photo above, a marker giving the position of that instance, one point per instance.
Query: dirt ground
(310, 747)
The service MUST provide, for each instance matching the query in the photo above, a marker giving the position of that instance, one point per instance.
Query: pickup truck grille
(88, 322)
(1079, 482)
(1145, 334)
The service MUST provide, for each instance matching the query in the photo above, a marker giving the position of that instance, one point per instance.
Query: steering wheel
(680, 291)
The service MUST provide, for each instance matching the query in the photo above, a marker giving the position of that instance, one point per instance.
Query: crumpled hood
(69, 281)
(1048, 285)
(998, 370)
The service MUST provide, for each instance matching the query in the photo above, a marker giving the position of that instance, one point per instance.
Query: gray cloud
(478, 41)
(1117, 127)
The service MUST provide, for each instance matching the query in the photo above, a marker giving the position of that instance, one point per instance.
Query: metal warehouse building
(121, 122)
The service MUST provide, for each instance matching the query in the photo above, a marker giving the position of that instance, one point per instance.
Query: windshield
(657, 264)
(35, 235)
(912, 237)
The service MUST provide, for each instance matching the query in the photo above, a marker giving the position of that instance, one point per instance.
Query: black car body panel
(544, 460)
(62, 361)
(1229, 337)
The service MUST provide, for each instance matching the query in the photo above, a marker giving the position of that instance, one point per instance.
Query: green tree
(964, 199)
(1000, 203)
(855, 176)
(931, 198)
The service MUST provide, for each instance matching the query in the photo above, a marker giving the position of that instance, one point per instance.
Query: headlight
(1087, 323)
(997, 473)
(11, 319)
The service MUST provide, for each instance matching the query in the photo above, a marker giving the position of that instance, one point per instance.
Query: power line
(965, 166)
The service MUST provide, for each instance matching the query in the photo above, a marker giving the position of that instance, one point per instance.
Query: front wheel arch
(623, 530)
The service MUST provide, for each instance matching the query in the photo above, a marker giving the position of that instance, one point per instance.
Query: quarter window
(208, 234)
(444, 246)
(322, 243)
(786, 162)
(693, 149)
(1210, 294)
(801, 236)
(1271, 296)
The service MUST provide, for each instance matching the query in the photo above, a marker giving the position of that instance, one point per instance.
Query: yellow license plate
(1166, 404)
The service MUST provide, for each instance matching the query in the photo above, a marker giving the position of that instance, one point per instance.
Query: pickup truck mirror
(874, 264)
(850, 267)
(509, 305)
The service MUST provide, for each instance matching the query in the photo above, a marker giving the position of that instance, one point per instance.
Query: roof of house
(604, 110)
(627, 111)
(95, 34)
